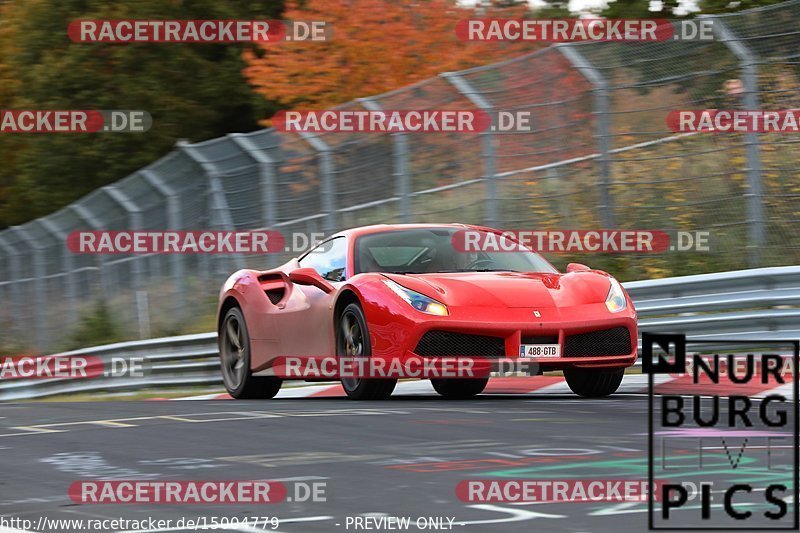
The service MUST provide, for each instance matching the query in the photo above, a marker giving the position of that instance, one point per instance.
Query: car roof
(377, 228)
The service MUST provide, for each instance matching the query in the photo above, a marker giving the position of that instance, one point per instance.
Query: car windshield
(437, 250)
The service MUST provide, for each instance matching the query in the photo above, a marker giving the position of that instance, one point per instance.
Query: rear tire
(459, 389)
(593, 383)
(234, 355)
(352, 340)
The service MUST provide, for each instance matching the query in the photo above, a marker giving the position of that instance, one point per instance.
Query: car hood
(509, 289)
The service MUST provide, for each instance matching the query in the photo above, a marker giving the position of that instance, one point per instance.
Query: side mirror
(309, 276)
(577, 267)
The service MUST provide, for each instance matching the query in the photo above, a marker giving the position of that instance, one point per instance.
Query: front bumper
(512, 325)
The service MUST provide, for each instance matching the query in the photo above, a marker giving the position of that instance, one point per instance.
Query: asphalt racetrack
(402, 457)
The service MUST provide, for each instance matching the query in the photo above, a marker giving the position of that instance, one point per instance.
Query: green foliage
(633, 9)
(95, 328)
(554, 10)
(192, 91)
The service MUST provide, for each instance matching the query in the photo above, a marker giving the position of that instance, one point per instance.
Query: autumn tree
(377, 46)
(192, 91)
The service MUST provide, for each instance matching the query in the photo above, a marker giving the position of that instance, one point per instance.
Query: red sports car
(400, 291)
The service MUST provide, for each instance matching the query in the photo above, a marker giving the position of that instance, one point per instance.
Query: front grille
(448, 343)
(614, 341)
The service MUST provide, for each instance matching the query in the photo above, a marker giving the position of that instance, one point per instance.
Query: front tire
(234, 355)
(352, 340)
(592, 383)
(459, 389)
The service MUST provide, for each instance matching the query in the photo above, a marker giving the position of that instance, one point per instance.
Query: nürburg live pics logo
(723, 433)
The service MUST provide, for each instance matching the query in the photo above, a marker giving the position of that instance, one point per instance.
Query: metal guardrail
(756, 304)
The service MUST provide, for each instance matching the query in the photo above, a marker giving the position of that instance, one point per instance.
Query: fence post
(70, 281)
(602, 112)
(266, 176)
(326, 176)
(84, 214)
(13, 279)
(135, 221)
(402, 184)
(41, 337)
(748, 61)
(487, 137)
(219, 204)
(172, 202)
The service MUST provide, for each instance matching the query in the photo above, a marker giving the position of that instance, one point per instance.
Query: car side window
(329, 259)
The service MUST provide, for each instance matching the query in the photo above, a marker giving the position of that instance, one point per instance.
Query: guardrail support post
(488, 147)
(602, 112)
(748, 61)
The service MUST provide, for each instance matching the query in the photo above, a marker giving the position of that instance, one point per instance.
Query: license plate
(540, 350)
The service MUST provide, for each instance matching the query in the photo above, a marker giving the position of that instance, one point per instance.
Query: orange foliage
(377, 46)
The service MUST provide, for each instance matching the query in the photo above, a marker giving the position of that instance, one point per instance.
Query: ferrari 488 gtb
(395, 292)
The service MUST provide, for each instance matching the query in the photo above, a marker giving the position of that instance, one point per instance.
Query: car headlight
(418, 301)
(616, 301)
